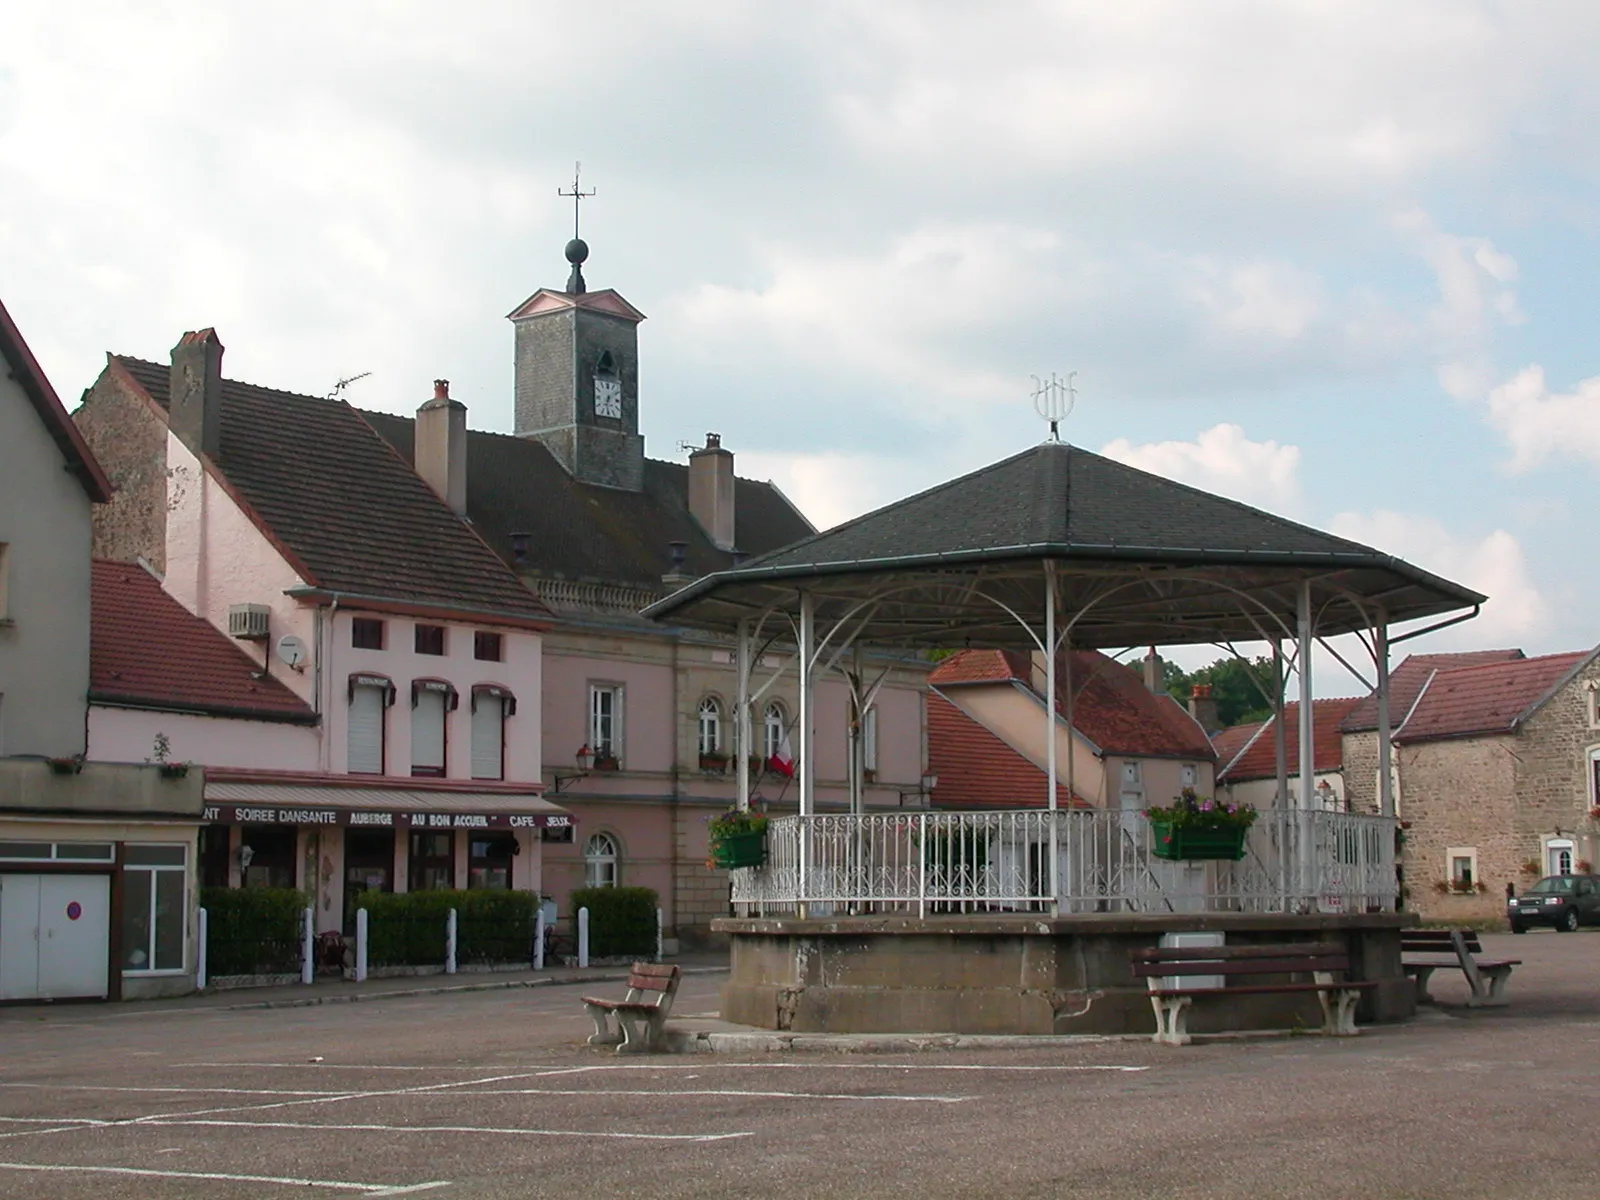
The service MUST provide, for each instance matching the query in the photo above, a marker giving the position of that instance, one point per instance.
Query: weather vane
(1053, 399)
(578, 196)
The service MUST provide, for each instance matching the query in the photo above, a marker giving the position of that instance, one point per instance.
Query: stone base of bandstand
(1021, 974)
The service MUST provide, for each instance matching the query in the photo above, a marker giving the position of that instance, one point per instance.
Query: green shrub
(495, 925)
(622, 920)
(253, 931)
(408, 929)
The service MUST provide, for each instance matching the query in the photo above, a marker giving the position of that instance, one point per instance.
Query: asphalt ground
(493, 1094)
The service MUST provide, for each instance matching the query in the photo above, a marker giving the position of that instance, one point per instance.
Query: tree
(1239, 689)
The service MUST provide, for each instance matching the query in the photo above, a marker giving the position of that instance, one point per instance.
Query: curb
(869, 1043)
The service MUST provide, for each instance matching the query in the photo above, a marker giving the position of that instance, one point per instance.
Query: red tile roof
(1488, 698)
(1112, 707)
(146, 649)
(1259, 759)
(1406, 682)
(1228, 742)
(978, 770)
(30, 377)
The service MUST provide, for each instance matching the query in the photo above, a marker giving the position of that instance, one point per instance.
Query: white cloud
(1225, 461)
(1540, 424)
(829, 488)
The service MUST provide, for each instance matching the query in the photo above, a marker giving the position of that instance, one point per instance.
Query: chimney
(1152, 671)
(676, 576)
(711, 491)
(441, 447)
(1203, 708)
(194, 389)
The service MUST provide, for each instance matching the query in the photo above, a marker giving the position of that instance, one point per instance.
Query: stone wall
(130, 440)
(1360, 762)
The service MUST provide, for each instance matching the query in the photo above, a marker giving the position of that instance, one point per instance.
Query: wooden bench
(1163, 969)
(1434, 948)
(651, 988)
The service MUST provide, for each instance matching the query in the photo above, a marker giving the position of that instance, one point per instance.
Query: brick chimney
(1152, 672)
(1203, 708)
(194, 389)
(441, 447)
(711, 491)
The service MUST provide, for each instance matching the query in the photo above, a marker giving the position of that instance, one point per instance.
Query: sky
(1335, 259)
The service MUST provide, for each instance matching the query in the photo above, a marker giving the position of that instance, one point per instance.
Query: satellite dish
(292, 651)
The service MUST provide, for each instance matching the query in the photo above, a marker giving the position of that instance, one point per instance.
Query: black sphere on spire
(577, 251)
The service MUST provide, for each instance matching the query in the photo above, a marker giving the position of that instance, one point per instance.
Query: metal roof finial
(577, 249)
(1053, 399)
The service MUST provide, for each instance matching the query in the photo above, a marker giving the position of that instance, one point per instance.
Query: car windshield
(1554, 885)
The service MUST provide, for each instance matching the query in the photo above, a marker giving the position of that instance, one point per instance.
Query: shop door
(368, 867)
(55, 936)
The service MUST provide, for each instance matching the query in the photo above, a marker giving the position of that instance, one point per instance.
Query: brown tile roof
(1112, 707)
(1487, 698)
(583, 532)
(1259, 759)
(25, 369)
(1228, 742)
(1406, 682)
(146, 649)
(350, 513)
(978, 770)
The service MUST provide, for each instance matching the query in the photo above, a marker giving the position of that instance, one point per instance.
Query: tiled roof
(1228, 742)
(1259, 759)
(1487, 698)
(584, 532)
(25, 369)
(353, 516)
(1406, 682)
(147, 649)
(1112, 708)
(978, 770)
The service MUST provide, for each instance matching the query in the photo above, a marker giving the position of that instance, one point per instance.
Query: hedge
(253, 931)
(408, 929)
(622, 920)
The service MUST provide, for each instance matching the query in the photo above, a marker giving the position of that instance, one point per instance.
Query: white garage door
(55, 936)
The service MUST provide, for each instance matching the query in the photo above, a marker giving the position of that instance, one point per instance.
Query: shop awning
(293, 803)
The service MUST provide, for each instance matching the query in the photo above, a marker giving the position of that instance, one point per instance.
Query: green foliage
(1240, 690)
(734, 821)
(492, 925)
(622, 920)
(1192, 811)
(253, 931)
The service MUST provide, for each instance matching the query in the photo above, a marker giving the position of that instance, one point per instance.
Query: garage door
(55, 936)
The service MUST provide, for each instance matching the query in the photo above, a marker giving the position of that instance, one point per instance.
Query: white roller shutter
(488, 737)
(427, 733)
(366, 731)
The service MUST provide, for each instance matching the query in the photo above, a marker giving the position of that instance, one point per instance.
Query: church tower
(577, 378)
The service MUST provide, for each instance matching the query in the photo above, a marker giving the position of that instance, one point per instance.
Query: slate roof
(349, 513)
(978, 770)
(584, 532)
(1113, 709)
(147, 650)
(1258, 757)
(1488, 698)
(30, 376)
(1406, 682)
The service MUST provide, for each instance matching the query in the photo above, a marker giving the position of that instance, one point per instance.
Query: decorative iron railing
(1104, 862)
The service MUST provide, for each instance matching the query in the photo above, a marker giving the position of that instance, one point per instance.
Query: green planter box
(740, 850)
(1189, 842)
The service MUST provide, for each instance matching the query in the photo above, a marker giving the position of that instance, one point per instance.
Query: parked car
(1562, 901)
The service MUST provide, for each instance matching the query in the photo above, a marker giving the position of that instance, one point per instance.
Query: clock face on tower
(608, 398)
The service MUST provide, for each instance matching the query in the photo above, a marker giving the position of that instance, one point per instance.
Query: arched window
(600, 861)
(710, 726)
(772, 726)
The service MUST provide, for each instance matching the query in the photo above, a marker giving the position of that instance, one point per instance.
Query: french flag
(782, 762)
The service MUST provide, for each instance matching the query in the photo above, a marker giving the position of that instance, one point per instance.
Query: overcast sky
(1335, 259)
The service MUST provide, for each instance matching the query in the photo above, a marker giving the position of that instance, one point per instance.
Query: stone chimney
(441, 447)
(1203, 708)
(194, 389)
(711, 491)
(1152, 672)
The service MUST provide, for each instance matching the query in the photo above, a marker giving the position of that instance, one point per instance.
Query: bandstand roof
(1140, 560)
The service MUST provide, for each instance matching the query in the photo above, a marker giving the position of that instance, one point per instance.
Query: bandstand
(1021, 922)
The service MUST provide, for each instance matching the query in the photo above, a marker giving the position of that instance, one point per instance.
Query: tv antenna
(1053, 399)
(343, 384)
(578, 196)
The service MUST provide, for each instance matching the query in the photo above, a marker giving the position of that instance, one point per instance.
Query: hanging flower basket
(740, 850)
(1196, 842)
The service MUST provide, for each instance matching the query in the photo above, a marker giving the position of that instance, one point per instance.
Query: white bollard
(661, 924)
(202, 928)
(450, 943)
(308, 949)
(361, 945)
(538, 941)
(583, 937)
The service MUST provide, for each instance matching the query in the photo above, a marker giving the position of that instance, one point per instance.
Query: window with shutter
(427, 732)
(365, 749)
(488, 737)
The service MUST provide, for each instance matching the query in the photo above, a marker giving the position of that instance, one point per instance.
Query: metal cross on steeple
(1053, 399)
(578, 196)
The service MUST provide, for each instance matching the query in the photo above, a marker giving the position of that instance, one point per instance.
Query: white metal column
(1050, 729)
(808, 641)
(741, 726)
(1308, 767)
(1380, 654)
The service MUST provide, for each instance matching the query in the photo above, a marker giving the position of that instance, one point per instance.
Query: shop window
(489, 860)
(365, 749)
(154, 928)
(266, 856)
(430, 639)
(710, 726)
(773, 723)
(366, 633)
(605, 725)
(488, 647)
(433, 862)
(368, 867)
(431, 702)
(214, 856)
(488, 735)
(600, 861)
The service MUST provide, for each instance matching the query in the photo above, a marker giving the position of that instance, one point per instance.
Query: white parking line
(370, 1189)
(312, 1127)
(668, 1093)
(700, 1063)
(209, 1091)
(422, 1093)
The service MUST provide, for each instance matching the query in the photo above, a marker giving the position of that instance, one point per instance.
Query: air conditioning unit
(248, 621)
